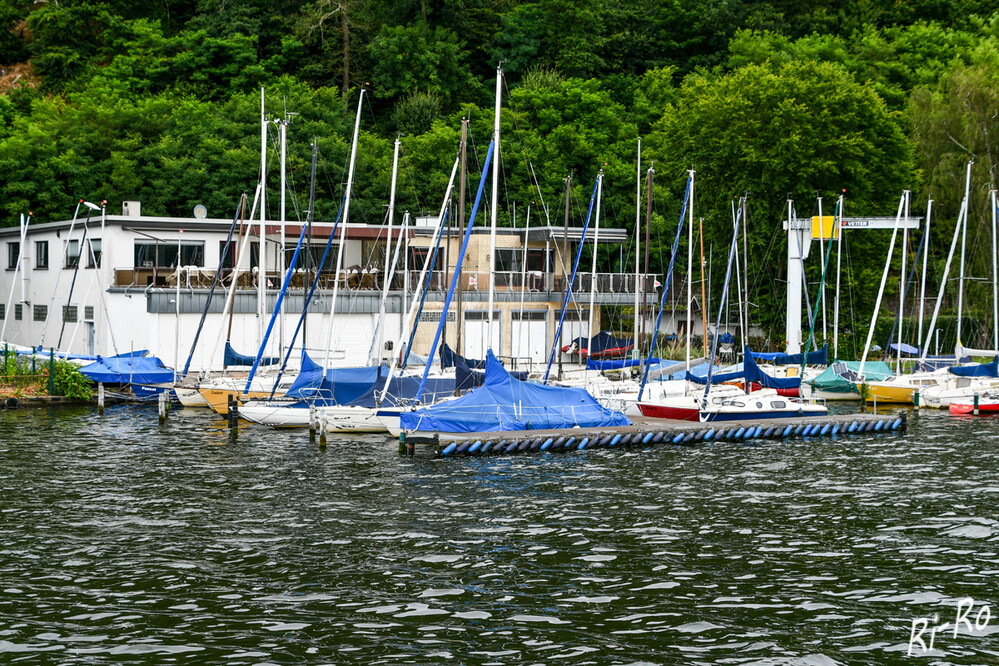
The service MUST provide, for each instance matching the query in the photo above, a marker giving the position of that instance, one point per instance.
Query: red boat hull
(664, 412)
(968, 408)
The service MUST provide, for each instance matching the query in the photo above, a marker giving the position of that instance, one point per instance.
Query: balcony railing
(358, 278)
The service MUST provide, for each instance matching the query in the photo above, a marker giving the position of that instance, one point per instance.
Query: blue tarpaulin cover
(751, 372)
(820, 357)
(604, 344)
(336, 386)
(231, 357)
(449, 359)
(907, 350)
(977, 370)
(128, 370)
(619, 364)
(504, 403)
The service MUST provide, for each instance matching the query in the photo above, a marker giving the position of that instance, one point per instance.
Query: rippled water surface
(126, 541)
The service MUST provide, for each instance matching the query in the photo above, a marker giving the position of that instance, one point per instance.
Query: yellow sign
(824, 227)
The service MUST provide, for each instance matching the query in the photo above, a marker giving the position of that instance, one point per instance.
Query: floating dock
(649, 432)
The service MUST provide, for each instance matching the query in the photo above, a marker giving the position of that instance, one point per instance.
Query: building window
(73, 254)
(69, 314)
(508, 260)
(41, 254)
(88, 312)
(230, 256)
(3, 311)
(94, 257)
(18, 311)
(40, 312)
(165, 255)
(13, 254)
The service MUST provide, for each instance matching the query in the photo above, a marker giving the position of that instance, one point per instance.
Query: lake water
(126, 541)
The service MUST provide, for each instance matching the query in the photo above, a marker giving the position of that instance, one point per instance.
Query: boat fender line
(567, 444)
(678, 437)
(11, 403)
(852, 426)
(709, 434)
(870, 426)
(462, 448)
(535, 444)
(582, 443)
(879, 426)
(449, 449)
(689, 437)
(487, 446)
(648, 437)
(750, 433)
(787, 431)
(896, 424)
(739, 433)
(474, 448)
(615, 439)
(559, 442)
(768, 433)
(659, 436)
(547, 444)
(799, 430)
(730, 433)
(835, 430)
(759, 431)
(514, 445)
(700, 435)
(807, 431)
(603, 441)
(825, 430)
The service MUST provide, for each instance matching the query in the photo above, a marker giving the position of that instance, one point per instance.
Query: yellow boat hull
(891, 394)
(218, 399)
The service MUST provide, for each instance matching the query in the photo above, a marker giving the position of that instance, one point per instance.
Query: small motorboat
(988, 403)
(765, 404)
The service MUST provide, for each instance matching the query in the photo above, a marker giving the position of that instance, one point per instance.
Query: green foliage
(416, 113)
(69, 382)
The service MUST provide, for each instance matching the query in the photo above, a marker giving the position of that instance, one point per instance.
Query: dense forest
(160, 102)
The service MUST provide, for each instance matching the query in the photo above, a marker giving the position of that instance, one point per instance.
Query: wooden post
(322, 433)
(161, 407)
(312, 423)
(100, 398)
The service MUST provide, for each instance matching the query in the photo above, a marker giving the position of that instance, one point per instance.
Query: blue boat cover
(820, 357)
(449, 359)
(466, 379)
(604, 344)
(231, 357)
(505, 403)
(619, 364)
(977, 370)
(751, 372)
(726, 338)
(403, 389)
(38, 351)
(128, 370)
(932, 363)
(336, 386)
(907, 350)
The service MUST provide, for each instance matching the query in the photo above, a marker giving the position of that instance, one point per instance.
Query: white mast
(903, 279)
(638, 245)
(881, 289)
(376, 349)
(282, 261)
(943, 283)
(690, 262)
(964, 239)
(593, 273)
(495, 203)
(995, 278)
(23, 223)
(262, 252)
(343, 228)
(822, 287)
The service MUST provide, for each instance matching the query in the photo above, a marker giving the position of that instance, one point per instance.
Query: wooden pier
(649, 432)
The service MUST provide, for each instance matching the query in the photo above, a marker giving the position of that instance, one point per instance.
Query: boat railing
(539, 281)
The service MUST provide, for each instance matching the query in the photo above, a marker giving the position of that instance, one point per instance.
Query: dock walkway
(648, 431)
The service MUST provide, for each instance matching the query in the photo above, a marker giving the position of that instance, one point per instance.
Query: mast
(638, 245)
(262, 253)
(704, 309)
(822, 288)
(376, 350)
(721, 306)
(839, 266)
(343, 227)
(564, 259)
(964, 240)
(943, 284)
(23, 223)
(494, 209)
(690, 264)
(593, 274)
(995, 278)
(902, 286)
(461, 217)
(282, 261)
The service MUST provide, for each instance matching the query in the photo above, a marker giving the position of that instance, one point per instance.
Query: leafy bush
(71, 383)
